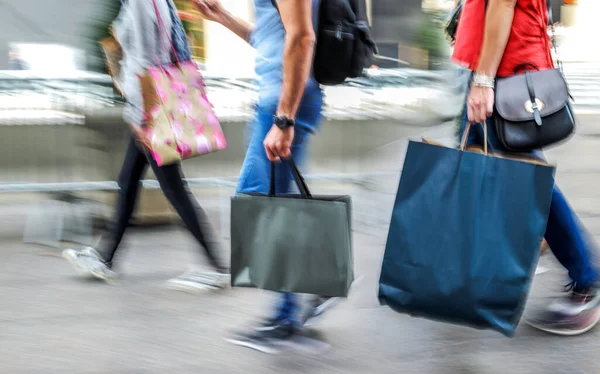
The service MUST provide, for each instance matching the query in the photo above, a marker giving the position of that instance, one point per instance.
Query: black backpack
(344, 44)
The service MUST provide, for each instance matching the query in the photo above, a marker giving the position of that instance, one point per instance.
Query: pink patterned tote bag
(180, 121)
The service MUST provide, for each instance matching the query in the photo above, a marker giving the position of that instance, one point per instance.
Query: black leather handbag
(533, 110)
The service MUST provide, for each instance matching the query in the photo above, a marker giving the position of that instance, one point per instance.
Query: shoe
(269, 323)
(82, 260)
(318, 306)
(269, 341)
(103, 272)
(573, 315)
(195, 280)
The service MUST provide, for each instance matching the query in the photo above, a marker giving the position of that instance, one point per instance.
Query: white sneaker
(103, 272)
(82, 260)
(195, 280)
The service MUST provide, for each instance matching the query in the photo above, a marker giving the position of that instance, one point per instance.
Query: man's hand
(278, 143)
(480, 104)
(211, 10)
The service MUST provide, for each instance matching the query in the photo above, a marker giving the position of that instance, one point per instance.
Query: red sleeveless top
(528, 41)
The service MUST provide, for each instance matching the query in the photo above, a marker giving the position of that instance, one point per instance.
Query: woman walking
(501, 38)
(145, 29)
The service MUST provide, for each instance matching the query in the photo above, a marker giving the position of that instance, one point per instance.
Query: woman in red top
(493, 42)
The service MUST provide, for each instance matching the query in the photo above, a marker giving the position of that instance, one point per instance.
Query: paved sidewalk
(53, 322)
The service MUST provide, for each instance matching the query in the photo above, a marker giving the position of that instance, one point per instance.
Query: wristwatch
(283, 122)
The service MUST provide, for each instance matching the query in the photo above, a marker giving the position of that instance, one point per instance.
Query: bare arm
(498, 22)
(212, 10)
(238, 26)
(298, 52)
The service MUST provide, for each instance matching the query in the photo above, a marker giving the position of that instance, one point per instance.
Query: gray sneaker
(195, 280)
(82, 260)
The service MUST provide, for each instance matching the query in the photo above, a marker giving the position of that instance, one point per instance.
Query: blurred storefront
(194, 30)
(579, 32)
(226, 54)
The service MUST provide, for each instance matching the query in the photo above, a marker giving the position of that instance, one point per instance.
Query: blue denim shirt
(268, 38)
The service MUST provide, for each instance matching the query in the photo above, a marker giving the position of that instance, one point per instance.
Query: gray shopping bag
(292, 243)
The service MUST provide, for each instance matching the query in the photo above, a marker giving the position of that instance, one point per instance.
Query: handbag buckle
(531, 106)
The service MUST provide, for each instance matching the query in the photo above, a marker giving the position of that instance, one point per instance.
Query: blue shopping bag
(465, 235)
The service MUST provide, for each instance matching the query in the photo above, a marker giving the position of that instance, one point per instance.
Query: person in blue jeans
(571, 244)
(288, 112)
(491, 42)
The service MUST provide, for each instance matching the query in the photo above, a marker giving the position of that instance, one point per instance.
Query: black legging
(175, 189)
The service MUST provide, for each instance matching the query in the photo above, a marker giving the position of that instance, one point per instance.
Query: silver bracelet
(482, 80)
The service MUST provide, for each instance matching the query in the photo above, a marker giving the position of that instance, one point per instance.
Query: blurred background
(62, 139)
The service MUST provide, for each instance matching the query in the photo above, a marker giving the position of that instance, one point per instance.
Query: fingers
(283, 149)
(278, 143)
(477, 111)
(202, 6)
(277, 150)
(489, 110)
(185, 16)
(285, 152)
(481, 113)
(271, 154)
(210, 5)
(470, 113)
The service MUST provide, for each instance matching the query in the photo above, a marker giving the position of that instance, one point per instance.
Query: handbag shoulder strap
(162, 28)
(553, 36)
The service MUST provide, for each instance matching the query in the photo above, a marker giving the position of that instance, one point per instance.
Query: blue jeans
(255, 174)
(566, 236)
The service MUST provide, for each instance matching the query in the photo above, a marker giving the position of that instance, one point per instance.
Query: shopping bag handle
(465, 137)
(300, 182)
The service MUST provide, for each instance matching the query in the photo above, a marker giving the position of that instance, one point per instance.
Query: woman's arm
(238, 26)
(212, 10)
(498, 23)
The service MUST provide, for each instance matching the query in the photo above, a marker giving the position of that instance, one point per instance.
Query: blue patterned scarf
(178, 37)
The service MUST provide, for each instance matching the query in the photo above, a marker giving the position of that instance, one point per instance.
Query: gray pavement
(51, 321)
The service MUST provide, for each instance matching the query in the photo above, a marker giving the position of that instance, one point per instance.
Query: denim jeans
(255, 174)
(566, 236)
